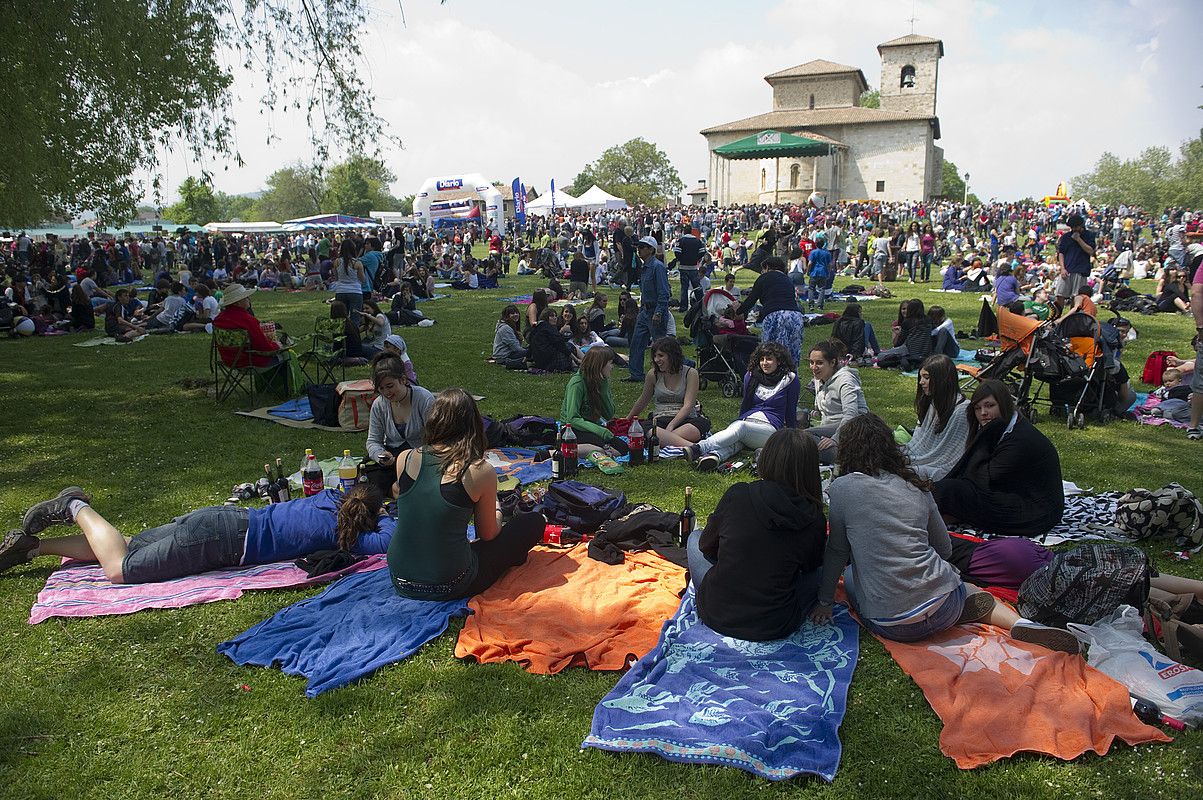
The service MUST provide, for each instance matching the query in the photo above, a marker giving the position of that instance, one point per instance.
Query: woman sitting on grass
(375, 327)
(1008, 480)
(838, 396)
(912, 340)
(549, 349)
(939, 439)
(397, 419)
(770, 402)
(352, 343)
(588, 404)
(535, 309)
(756, 566)
(674, 387)
(209, 538)
(441, 487)
(507, 347)
(891, 546)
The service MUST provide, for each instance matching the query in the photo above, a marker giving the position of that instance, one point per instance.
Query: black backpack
(579, 506)
(1086, 584)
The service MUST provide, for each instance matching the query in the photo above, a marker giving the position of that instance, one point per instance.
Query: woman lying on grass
(441, 486)
(757, 564)
(206, 539)
(889, 542)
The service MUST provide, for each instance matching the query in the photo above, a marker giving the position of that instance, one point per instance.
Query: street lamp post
(966, 198)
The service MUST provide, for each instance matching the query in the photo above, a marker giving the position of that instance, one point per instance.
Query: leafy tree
(1188, 187)
(870, 98)
(197, 205)
(406, 204)
(1151, 180)
(234, 206)
(638, 171)
(293, 191)
(97, 92)
(954, 184)
(358, 186)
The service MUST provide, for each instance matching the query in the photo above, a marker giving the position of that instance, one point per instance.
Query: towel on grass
(297, 409)
(562, 608)
(96, 341)
(771, 708)
(347, 632)
(518, 463)
(82, 590)
(998, 697)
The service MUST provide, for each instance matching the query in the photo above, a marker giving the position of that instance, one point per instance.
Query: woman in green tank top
(441, 486)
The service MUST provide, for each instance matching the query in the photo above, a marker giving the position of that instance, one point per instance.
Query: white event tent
(598, 199)
(542, 205)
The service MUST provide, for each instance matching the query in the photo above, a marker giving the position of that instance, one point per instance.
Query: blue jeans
(353, 301)
(912, 261)
(645, 331)
(690, 279)
(818, 290)
(205, 539)
(807, 586)
(925, 273)
(871, 338)
(940, 617)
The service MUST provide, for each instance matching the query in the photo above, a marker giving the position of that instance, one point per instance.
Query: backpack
(1155, 366)
(528, 431)
(355, 407)
(579, 506)
(1140, 304)
(1086, 584)
(1170, 511)
(323, 404)
(853, 288)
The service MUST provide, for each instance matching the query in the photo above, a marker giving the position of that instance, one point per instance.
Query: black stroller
(722, 357)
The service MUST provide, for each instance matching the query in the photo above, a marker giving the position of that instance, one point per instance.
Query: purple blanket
(82, 590)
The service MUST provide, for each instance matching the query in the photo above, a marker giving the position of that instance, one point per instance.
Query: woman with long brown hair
(757, 564)
(588, 403)
(888, 541)
(441, 486)
(939, 439)
(205, 539)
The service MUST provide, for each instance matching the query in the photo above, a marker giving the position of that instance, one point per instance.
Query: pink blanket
(82, 590)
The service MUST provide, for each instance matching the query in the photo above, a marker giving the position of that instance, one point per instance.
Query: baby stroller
(1093, 388)
(722, 357)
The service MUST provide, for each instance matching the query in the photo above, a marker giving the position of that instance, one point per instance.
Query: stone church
(887, 153)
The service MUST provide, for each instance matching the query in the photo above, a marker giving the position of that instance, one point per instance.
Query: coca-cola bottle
(635, 441)
(568, 450)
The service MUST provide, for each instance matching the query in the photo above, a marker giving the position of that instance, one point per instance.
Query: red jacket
(234, 318)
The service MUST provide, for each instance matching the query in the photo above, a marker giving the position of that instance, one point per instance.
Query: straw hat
(235, 293)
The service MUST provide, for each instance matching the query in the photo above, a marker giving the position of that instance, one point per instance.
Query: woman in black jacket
(1009, 479)
(913, 343)
(549, 349)
(757, 565)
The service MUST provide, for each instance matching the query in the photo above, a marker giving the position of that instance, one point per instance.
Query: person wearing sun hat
(236, 314)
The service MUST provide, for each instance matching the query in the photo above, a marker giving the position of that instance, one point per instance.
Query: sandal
(605, 463)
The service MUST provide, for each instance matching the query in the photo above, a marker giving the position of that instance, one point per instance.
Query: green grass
(143, 706)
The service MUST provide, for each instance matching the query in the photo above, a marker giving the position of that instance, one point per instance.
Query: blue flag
(519, 202)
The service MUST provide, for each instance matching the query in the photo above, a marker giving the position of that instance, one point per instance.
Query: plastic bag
(1118, 650)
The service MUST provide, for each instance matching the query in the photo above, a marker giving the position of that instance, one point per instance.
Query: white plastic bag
(1118, 650)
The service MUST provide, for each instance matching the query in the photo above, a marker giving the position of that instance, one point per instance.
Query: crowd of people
(769, 555)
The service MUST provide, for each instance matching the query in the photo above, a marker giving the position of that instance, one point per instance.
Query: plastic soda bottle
(568, 450)
(348, 472)
(312, 480)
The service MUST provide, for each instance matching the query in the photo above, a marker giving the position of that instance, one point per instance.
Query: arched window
(795, 171)
(812, 101)
(763, 179)
(907, 81)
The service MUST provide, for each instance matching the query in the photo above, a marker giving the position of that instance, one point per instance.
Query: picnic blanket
(771, 708)
(82, 590)
(997, 697)
(96, 341)
(518, 463)
(297, 410)
(291, 419)
(518, 299)
(963, 357)
(435, 296)
(564, 609)
(1087, 517)
(347, 632)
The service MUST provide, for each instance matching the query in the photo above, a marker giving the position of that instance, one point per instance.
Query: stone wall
(922, 98)
(830, 91)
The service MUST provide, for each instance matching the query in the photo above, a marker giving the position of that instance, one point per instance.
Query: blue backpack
(579, 506)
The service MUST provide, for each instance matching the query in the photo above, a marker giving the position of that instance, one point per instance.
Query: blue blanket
(294, 409)
(771, 708)
(350, 630)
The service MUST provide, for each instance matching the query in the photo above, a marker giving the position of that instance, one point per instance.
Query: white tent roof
(598, 198)
(245, 227)
(542, 205)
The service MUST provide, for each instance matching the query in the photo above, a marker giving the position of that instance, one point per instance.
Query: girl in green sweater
(588, 404)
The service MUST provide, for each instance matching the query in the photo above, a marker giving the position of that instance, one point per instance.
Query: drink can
(551, 534)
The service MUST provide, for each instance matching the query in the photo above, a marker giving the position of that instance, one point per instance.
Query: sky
(1030, 91)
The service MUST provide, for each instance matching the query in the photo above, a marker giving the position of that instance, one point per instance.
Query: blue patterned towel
(771, 708)
(350, 630)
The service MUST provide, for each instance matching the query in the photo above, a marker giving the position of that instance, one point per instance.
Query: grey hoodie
(839, 398)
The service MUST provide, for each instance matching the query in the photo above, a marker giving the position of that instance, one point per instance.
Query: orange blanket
(998, 697)
(562, 608)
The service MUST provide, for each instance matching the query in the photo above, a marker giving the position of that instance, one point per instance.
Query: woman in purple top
(1006, 287)
(770, 403)
(206, 539)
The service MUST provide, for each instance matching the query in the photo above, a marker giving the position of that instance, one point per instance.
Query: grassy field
(143, 706)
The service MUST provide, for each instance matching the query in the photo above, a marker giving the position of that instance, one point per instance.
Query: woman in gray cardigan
(939, 441)
(397, 419)
(507, 347)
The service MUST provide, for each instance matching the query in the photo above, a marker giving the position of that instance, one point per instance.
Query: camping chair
(325, 353)
(229, 378)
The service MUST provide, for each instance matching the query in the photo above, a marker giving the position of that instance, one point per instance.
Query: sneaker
(693, 453)
(708, 463)
(41, 516)
(15, 549)
(426, 323)
(1195, 433)
(977, 607)
(1053, 638)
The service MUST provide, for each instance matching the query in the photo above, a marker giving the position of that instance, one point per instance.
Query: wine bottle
(653, 441)
(263, 486)
(687, 519)
(283, 490)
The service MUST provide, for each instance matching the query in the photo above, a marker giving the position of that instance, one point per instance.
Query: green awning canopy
(773, 144)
